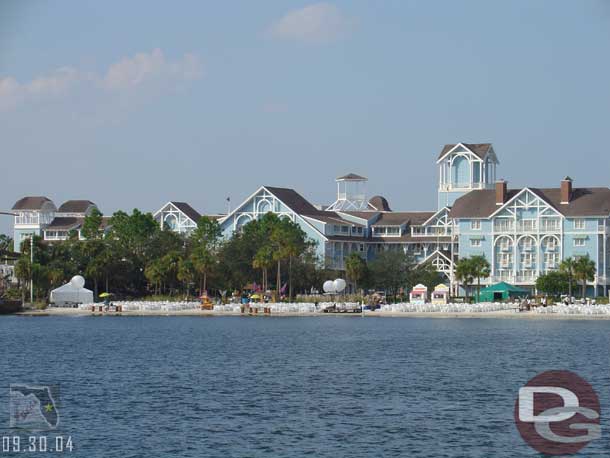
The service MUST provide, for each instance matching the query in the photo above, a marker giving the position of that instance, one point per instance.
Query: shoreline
(504, 314)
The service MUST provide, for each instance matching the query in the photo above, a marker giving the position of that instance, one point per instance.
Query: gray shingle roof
(351, 176)
(75, 206)
(584, 202)
(31, 203)
(187, 210)
(480, 149)
(294, 200)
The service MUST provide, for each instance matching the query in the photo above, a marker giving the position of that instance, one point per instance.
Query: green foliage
(584, 270)
(356, 269)
(470, 269)
(553, 283)
(391, 271)
(567, 266)
(6, 243)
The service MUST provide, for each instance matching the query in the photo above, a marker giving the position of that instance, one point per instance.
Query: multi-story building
(69, 218)
(32, 215)
(528, 231)
(367, 228)
(522, 232)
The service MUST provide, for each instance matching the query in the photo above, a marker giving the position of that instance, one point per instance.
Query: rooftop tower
(351, 193)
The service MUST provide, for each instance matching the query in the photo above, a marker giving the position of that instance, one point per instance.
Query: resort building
(528, 231)
(39, 216)
(32, 215)
(69, 217)
(373, 228)
(522, 232)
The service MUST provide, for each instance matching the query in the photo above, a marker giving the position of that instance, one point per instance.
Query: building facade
(522, 232)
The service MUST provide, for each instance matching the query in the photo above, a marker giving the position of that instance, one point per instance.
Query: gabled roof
(75, 206)
(294, 200)
(31, 203)
(583, 202)
(479, 149)
(187, 210)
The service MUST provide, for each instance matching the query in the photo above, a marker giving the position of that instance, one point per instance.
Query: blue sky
(132, 104)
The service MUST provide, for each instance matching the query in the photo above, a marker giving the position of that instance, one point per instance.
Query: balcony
(503, 226)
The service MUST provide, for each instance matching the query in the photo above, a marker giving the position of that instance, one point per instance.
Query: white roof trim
(440, 159)
(245, 201)
(517, 195)
(444, 209)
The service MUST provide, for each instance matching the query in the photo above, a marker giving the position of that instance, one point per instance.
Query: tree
(480, 268)
(6, 243)
(463, 274)
(553, 283)
(568, 267)
(355, 269)
(584, 270)
(204, 241)
(426, 275)
(390, 271)
(186, 273)
(92, 225)
(263, 259)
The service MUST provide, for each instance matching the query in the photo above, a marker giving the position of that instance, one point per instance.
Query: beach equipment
(72, 293)
(105, 295)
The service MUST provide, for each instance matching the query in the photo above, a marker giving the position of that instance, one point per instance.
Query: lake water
(294, 387)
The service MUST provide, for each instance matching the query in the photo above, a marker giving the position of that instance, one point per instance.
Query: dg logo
(558, 413)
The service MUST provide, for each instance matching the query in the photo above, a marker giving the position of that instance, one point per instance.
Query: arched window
(264, 206)
(171, 222)
(461, 172)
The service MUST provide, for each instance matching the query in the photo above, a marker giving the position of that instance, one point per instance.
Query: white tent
(72, 293)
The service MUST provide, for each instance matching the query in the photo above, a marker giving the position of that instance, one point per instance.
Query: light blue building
(522, 232)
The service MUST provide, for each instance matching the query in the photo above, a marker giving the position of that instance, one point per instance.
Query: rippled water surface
(293, 387)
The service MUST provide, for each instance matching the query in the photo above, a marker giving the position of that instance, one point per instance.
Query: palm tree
(355, 268)
(479, 268)
(584, 270)
(263, 259)
(463, 273)
(568, 266)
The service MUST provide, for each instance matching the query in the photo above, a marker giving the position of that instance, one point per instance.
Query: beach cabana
(418, 295)
(501, 292)
(440, 295)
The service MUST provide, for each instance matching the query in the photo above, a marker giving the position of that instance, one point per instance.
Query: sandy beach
(504, 314)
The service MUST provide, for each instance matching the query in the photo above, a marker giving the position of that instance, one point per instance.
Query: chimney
(501, 192)
(566, 190)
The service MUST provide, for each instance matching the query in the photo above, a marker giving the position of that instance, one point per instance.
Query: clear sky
(132, 104)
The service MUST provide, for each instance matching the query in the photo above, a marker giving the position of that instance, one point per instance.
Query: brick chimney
(501, 192)
(566, 190)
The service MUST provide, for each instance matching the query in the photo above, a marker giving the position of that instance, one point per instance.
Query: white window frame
(580, 242)
(475, 243)
(580, 224)
(475, 224)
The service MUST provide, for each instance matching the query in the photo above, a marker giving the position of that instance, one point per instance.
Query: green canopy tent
(502, 291)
